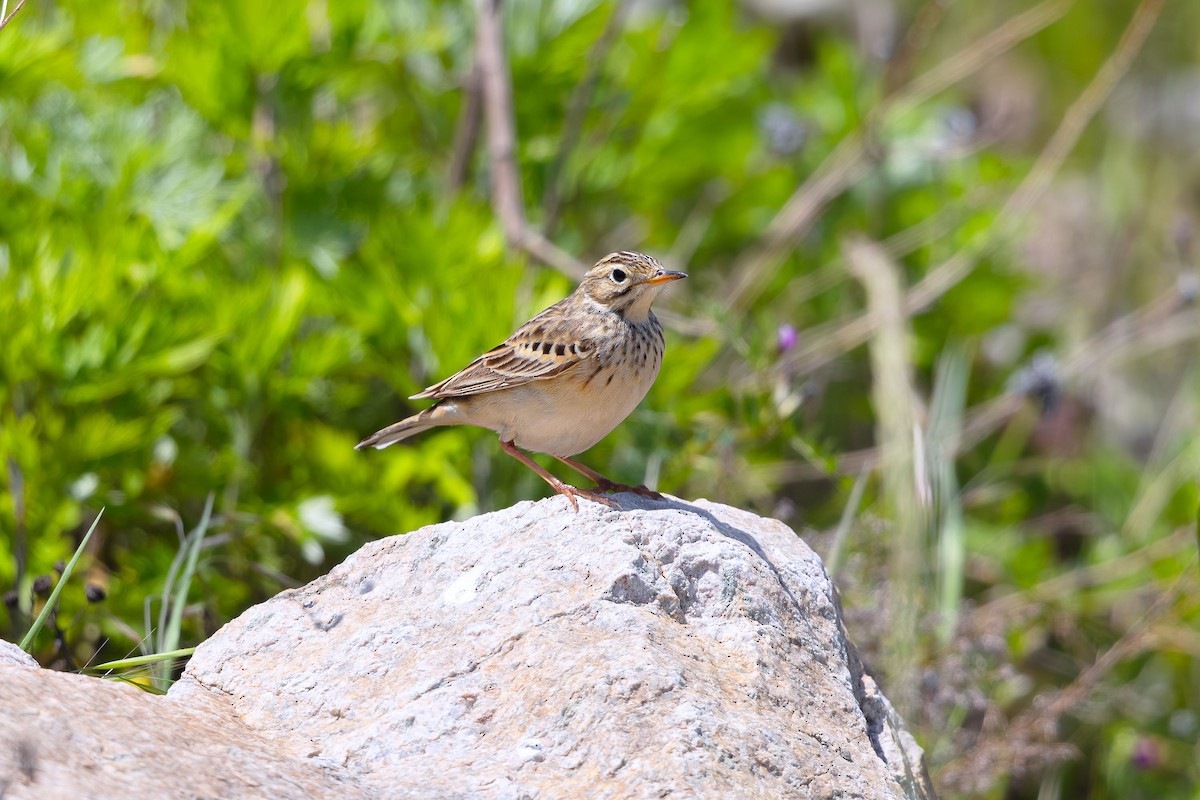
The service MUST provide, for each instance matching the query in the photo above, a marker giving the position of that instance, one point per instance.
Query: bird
(564, 380)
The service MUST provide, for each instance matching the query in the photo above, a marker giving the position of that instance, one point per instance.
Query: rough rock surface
(71, 736)
(666, 649)
(13, 656)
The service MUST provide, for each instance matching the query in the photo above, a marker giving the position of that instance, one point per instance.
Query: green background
(230, 246)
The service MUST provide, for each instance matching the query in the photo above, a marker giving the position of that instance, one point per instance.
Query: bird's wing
(541, 348)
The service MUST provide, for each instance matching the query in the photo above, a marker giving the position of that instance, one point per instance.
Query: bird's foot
(613, 487)
(595, 495)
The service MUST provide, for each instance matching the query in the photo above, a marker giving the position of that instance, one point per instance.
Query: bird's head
(627, 283)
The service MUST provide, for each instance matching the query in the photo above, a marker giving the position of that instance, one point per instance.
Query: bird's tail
(440, 414)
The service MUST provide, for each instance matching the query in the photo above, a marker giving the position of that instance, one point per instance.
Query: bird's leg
(603, 483)
(566, 490)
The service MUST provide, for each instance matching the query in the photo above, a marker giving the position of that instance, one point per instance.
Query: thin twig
(915, 39)
(1040, 721)
(4, 22)
(505, 178)
(833, 272)
(1159, 324)
(844, 166)
(507, 202)
(542, 249)
(971, 59)
(1065, 137)
(849, 513)
(498, 109)
(991, 613)
(849, 162)
(836, 338)
(466, 133)
(688, 326)
(577, 108)
(692, 231)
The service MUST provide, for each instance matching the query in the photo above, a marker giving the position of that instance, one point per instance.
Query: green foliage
(229, 250)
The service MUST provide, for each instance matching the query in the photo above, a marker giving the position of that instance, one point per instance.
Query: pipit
(565, 379)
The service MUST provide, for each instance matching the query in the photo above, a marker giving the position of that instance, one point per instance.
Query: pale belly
(561, 417)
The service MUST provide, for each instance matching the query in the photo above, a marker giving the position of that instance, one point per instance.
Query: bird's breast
(567, 414)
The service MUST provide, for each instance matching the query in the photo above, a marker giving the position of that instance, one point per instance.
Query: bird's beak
(664, 276)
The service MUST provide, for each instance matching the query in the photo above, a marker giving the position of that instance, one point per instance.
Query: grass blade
(40, 622)
(849, 512)
(945, 432)
(170, 638)
(139, 661)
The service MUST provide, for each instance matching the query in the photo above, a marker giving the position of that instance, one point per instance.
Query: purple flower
(786, 337)
(1146, 754)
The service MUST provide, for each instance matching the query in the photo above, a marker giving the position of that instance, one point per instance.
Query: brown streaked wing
(517, 361)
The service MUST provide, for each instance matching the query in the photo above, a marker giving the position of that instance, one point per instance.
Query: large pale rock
(666, 649)
(71, 736)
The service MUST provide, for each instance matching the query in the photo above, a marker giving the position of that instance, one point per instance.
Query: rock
(71, 736)
(13, 656)
(670, 648)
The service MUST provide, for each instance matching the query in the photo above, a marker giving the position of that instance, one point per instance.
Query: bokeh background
(941, 318)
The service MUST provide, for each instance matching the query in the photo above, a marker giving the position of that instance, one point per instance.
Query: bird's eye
(618, 276)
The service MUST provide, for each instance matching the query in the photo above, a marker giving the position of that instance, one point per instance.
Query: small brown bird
(565, 379)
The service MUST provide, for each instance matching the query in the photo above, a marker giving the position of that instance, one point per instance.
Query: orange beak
(664, 276)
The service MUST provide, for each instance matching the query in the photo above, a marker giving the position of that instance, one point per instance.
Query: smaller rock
(13, 656)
